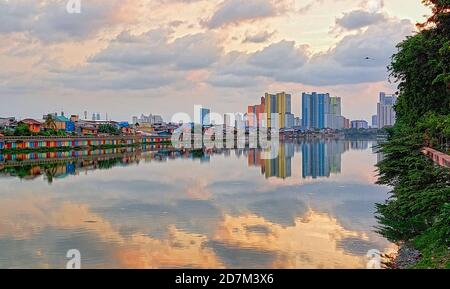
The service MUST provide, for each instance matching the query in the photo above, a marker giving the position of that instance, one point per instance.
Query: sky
(128, 57)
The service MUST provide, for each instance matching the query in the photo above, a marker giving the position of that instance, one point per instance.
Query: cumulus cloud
(16, 15)
(193, 51)
(346, 63)
(49, 21)
(359, 18)
(233, 11)
(260, 37)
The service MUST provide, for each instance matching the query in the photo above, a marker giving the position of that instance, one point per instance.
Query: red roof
(30, 121)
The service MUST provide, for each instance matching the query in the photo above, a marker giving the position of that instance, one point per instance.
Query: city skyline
(114, 58)
(328, 107)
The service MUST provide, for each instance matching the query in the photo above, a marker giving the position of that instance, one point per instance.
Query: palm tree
(50, 122)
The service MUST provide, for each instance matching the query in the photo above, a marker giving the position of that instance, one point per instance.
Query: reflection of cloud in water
(180, 249)
(356, 246)
(198, 189)
(238, 257)
(314, 241)
(308, 243)
(280, 211)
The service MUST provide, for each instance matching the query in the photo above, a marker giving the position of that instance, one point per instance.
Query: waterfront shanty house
(91, 127)
(126, 128)
(33, 125)
(58, 123)
(86, 128)
(61, 122)
(8, 123)
(2, 142)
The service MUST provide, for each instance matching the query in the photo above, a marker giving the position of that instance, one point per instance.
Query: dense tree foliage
(422, 68)
(108, 129)
(419, 209)
(22, 130)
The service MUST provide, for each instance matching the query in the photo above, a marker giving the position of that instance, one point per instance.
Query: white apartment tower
(385, 110)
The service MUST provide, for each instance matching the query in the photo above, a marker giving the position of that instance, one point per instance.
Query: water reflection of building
(279, 167)
(321, 158)
(359, 144)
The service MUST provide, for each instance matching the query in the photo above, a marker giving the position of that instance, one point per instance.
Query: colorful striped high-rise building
(277, 106)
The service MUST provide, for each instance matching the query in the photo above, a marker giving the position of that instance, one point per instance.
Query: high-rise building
(359, 124)
(271, 108)
(277, 104)
(385, 110)
(289, 120)
(346, 123)
(315, 108)
(150, 119)
(334, 119)
(374, 121)
(204, 116)
(240, 121)
(254, 113)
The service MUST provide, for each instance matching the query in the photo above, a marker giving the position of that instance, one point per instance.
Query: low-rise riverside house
(33, 125)
(61, 122)
(8, 123)
(86, 129)
(126, 128)
(37, 142)
(2, 142)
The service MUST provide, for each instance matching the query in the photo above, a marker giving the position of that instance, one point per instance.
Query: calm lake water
(312, 207)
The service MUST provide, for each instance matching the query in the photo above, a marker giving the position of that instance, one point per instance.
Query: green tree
(422, 67)
(417, 212)
(22, 130)
(109, 129)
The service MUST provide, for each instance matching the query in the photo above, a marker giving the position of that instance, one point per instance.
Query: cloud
(16, 15)
(359, 18)
(260, 37)
(193, 51)
(50, 22)
(234, 11)
(281, 55)
(346, 63)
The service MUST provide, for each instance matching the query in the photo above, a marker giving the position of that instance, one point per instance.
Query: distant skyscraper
(315, 108)
(334, 119)
(277, 104)
(374, 121)
(202, 115)
(385, 110)
(346, 123)
(289, 120)
(254, 113)
(271, 107)
(360, 124)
